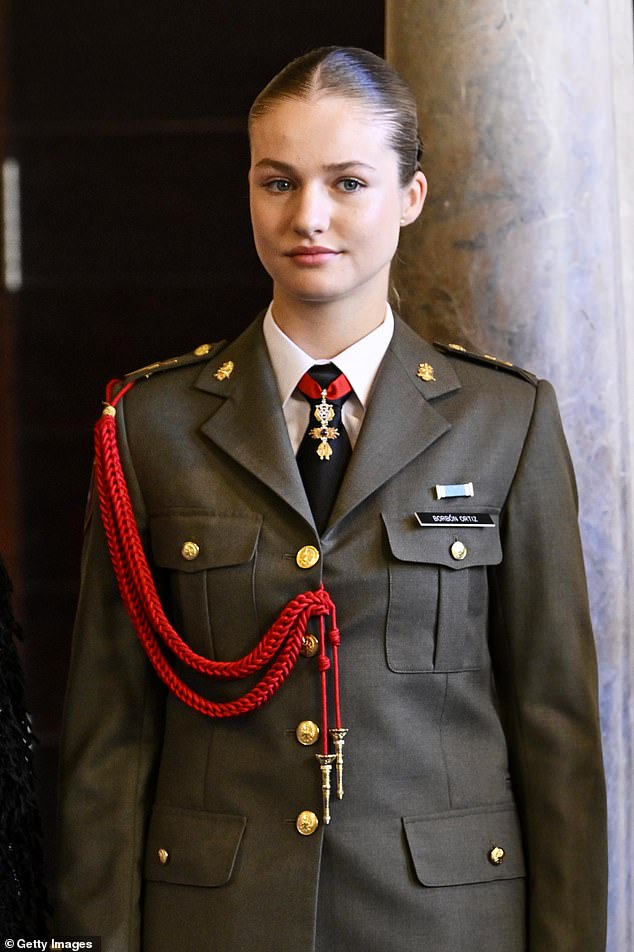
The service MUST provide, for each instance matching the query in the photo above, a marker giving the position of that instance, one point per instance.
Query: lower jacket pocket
(466, 846)
(192, 847)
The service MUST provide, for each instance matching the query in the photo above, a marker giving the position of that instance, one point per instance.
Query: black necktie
(325, 449)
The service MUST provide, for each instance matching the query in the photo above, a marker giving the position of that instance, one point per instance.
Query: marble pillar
(525, 249)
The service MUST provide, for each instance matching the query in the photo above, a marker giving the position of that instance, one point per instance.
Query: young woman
(374, 721)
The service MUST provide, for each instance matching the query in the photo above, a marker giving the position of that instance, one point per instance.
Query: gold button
(203, 350)
(306, 823)
(496, 855)
(310, 646)
(307, 733)
(190, 551)
(458, 550)
(307, 556)
(163, 856)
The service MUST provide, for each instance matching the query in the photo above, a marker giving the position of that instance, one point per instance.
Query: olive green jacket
(474, 812)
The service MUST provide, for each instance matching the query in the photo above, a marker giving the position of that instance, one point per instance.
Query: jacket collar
(401, 421)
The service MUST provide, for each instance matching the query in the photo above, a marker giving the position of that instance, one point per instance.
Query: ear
(413, 199)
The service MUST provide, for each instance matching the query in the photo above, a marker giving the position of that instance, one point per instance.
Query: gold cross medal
(324, 412)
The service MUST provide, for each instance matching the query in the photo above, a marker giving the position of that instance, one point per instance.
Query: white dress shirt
(360, 363)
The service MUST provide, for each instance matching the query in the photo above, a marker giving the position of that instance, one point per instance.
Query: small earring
(402, 221)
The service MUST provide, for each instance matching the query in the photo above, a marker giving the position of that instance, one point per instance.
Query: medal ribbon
(340, 387)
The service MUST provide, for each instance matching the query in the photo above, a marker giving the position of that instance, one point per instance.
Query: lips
(312, 254)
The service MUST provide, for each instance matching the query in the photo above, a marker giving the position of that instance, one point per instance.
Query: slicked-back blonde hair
(356, 74)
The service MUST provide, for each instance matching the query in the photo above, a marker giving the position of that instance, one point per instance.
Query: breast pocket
(211, 562)
(438, 594)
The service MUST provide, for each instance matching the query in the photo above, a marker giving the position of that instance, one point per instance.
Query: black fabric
(322, 477)
(23, 903)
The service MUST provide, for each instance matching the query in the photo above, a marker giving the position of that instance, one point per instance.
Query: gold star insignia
(425, 372)
(224, 371)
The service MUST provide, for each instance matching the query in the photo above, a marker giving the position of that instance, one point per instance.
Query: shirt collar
(359, 362)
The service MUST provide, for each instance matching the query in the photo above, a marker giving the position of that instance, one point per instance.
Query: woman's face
(326, 202)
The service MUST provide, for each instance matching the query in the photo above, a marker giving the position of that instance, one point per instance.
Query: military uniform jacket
(468, 684)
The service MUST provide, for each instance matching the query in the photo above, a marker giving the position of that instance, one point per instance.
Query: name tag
(479, 520)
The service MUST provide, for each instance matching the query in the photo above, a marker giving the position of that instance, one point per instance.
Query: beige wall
(526, 249)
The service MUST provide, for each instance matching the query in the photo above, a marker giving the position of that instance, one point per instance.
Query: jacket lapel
(249, 424)
(400, 422)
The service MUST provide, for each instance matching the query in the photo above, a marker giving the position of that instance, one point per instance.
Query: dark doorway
(124, 147)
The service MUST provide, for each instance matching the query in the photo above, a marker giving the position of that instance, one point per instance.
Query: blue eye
(351, 184)
(279, 185)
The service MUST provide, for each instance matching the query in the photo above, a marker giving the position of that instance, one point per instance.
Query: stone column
(526, 249)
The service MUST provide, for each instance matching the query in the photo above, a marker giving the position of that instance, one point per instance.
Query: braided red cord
(335, 640)
(282, 641)
(324, 665)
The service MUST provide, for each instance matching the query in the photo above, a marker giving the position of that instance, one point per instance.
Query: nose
(312, 210)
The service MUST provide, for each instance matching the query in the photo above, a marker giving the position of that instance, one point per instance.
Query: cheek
(379, 227)
(266, 219)
(386, 212)
(262, 246)
(260, 222)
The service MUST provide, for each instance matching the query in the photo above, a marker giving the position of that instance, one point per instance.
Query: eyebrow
(332, 167)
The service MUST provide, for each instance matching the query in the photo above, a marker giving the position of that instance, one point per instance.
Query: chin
(311, 292)
(315, 297)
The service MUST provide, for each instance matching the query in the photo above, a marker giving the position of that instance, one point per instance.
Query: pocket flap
(460, 847)
(191, 540)
(192, 847)
(410, 542)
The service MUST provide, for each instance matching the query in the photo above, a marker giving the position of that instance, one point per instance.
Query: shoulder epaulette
(203, 352)
(496, 363)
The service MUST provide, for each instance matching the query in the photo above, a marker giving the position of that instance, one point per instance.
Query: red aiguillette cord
(280, 645)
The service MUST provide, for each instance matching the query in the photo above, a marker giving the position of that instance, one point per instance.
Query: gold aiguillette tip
(325, 762)
(338, 735)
